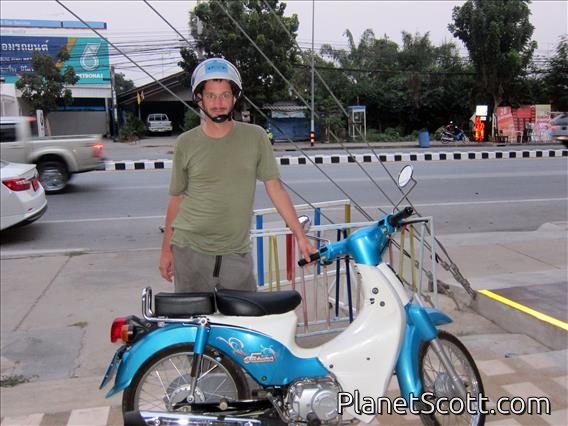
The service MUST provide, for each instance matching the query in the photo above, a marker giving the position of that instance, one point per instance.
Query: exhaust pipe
(162, 418)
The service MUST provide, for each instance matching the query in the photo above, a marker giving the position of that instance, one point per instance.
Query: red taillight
(35, 182)
(98, 150)
(19, 184)
(116, 329)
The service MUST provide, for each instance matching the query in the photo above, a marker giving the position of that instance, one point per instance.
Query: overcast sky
(134, 22)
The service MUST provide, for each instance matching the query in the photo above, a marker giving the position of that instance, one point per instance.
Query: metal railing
(330, 294)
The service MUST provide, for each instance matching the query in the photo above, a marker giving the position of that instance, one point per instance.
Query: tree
(122, 84)
(216, 34)
(410, 87)
(44, 87)
(497, 34)
(556, 77)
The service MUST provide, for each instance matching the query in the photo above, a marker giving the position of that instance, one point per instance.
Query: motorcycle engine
(311, 399)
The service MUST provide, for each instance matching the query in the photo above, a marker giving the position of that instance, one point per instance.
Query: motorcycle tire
(163, 380)
(445, 140)
(436, 380)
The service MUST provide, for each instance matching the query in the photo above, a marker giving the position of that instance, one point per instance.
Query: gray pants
(197, 272)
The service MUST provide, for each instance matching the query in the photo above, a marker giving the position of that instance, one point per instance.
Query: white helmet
(216, 69)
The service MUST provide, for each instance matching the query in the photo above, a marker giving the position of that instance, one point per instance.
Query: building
(91, 109)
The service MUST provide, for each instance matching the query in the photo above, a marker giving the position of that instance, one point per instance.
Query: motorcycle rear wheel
(163, 380)
(436, 381)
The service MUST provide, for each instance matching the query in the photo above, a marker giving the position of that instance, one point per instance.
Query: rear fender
(133, 358)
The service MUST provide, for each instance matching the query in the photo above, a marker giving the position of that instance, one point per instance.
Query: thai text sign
(88, 56)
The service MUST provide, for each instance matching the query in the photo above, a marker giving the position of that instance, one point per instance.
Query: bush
(389, 135)
(133, 128)
(190, 120)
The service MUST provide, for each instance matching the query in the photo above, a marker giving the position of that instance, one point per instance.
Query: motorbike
(231, 357)
(458, 135)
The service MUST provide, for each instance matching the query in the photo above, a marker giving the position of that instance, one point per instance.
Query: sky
(147, 39)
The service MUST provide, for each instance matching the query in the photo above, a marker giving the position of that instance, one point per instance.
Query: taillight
(98, 150)
(117, 329)
(35, 182)
(19, 184)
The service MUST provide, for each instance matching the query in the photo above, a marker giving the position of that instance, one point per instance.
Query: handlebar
(395, 219)
(313, 258)
(366, 245)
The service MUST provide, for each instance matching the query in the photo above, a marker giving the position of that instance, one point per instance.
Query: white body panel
(364, 355)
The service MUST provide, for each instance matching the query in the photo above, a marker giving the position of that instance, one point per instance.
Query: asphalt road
(122, 210)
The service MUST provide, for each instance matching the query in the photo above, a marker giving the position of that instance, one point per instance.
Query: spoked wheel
(436, 381)
(163, 382)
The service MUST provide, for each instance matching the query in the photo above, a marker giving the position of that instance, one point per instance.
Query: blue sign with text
(89, 56)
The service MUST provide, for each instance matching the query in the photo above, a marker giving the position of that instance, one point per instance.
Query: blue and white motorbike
(231, 357)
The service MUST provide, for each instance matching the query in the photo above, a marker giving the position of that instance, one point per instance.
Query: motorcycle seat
(184, 305)
(256, 304)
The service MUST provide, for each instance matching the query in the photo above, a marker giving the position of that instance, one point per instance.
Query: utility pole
(114, 106)
(312, 127)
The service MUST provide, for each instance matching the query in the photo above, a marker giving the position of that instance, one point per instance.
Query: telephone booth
(357, 122)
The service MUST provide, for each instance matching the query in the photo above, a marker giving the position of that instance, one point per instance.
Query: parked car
(57, 158)
(559, 128)
(22, 198)
(158, 123)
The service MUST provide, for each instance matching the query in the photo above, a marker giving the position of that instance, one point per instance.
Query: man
(215, 167)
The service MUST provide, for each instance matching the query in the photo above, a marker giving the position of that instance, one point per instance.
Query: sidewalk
(57, 310)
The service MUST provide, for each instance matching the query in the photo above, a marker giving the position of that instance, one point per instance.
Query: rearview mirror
(405, 176)
(305, 222)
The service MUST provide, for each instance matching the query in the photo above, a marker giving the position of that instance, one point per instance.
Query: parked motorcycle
(457, 135)
(230, 357)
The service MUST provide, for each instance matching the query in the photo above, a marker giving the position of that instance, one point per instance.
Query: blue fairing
(420, 327)
(267, 361)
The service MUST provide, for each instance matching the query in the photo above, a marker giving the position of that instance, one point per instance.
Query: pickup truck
(158, 123)
(56, 158)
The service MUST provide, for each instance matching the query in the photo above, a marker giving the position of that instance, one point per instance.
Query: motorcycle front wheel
(438, 387)
(163, 382)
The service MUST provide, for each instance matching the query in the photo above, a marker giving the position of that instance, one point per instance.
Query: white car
(158, 123)
(22, 198)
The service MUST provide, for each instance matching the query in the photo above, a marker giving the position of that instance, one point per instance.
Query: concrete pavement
(56, 312)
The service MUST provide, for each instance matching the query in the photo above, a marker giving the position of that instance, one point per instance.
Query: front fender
(420, 327)
(133, 358)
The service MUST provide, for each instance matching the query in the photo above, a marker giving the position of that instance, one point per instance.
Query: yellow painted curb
(526, 309)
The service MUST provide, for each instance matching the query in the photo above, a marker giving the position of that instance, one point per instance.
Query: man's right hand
(167, 265)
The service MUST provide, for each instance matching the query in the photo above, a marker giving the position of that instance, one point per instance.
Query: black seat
(183, 305)
(256, 304)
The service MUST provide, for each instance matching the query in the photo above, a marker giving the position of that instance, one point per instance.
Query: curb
(363, 158)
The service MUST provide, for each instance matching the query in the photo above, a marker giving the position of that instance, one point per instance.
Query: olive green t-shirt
(218, 178)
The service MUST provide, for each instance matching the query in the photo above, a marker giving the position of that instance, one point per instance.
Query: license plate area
(111, 369)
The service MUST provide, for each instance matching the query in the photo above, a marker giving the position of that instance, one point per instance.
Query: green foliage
(390, 135)
(497, 35)
(216, 34)
(122, 84)
(413, 86)
(44, 87)
(133, 128)
(556, 77)
(190, 120)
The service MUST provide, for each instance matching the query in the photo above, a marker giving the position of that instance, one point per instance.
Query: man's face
(217, 97)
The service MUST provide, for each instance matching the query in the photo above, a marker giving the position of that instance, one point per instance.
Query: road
(122, 210)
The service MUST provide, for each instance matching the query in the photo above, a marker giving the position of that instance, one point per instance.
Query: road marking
(104, 219)
(539, 315)
(446, 204)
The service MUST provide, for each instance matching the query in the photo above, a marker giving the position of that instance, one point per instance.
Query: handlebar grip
(395, 219)
(313, 258)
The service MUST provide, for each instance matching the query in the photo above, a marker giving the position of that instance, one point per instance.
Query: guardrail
(330, 294)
